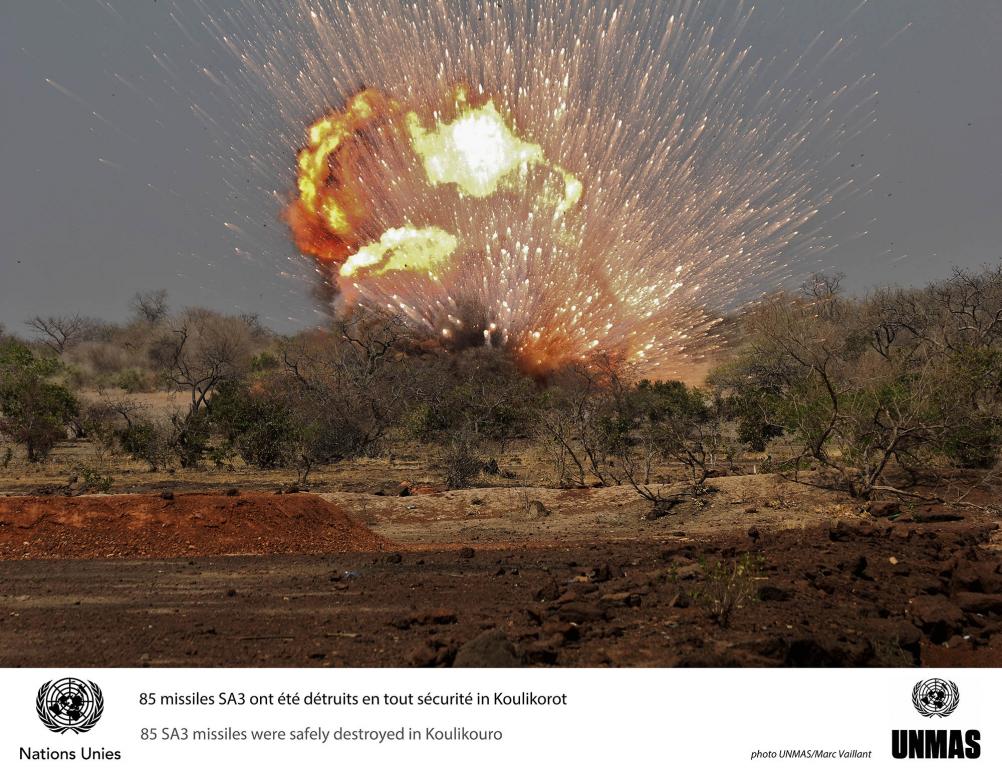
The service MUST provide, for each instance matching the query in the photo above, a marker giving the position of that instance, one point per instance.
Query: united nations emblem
(935, 697)
(69, 705)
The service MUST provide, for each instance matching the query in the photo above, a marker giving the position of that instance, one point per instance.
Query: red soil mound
(193, 524)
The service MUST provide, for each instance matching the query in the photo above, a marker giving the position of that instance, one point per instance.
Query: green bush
(259, 425)
(34, 410)
(147, 441)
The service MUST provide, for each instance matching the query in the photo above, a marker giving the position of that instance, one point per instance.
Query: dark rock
(630, 599)
(167, 495)
(859, 567)
(564, 630)
(581, 612)
(542, 651)
(818, 652)
(839, 531)
(490, 649)
(394, 557)
(690, 571)
(975, 602)
(680, 600)
(466, 553)
(770, 593)
(534, 616)
(753, 534)
(547, 593)
(974, 576)
(231, 492)
(434, 653)
(827, 584)
(437, 616)
(884, 508)
(936, 616)
(603, 573)
(934, 515)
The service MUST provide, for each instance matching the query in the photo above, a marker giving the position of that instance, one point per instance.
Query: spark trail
(561, 178)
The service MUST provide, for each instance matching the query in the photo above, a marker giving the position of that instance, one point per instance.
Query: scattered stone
(818, 652)
(859, 567)
(490, 649)
(566, 631)
(603, 573)
(547, 593)
(690, 571)
(629, 599)
(542, 651)
(971, 576)
(770, 593)
(433, 653)
(839, 531)
(936, 616)
(933, 515)
(434, 617)
(581, 612)
(975, 602)
(884, 508)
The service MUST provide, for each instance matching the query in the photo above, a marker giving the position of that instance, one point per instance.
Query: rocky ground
(764, 575)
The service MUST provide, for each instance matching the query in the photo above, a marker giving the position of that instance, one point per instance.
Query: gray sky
(112, 183)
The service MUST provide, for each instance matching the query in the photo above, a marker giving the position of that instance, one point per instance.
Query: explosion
(559, 178)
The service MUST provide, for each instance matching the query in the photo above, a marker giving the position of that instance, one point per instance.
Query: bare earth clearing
(496, 576)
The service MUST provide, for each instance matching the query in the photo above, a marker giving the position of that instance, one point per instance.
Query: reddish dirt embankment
(185, 525)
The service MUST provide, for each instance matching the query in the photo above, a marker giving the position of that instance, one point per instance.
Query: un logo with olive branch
(935, 697)
(69, 704)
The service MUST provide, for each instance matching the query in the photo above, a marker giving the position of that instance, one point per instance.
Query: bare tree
(859, 398)
(345, 388)
(200, 351)
(584, 417)
(60, 332)
(150, 306)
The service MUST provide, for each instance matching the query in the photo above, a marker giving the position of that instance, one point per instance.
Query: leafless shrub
(62, 332)
(462, 461)
(150, 306)
(199, 351)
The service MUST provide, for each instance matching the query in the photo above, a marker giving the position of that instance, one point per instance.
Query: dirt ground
(765, 573)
